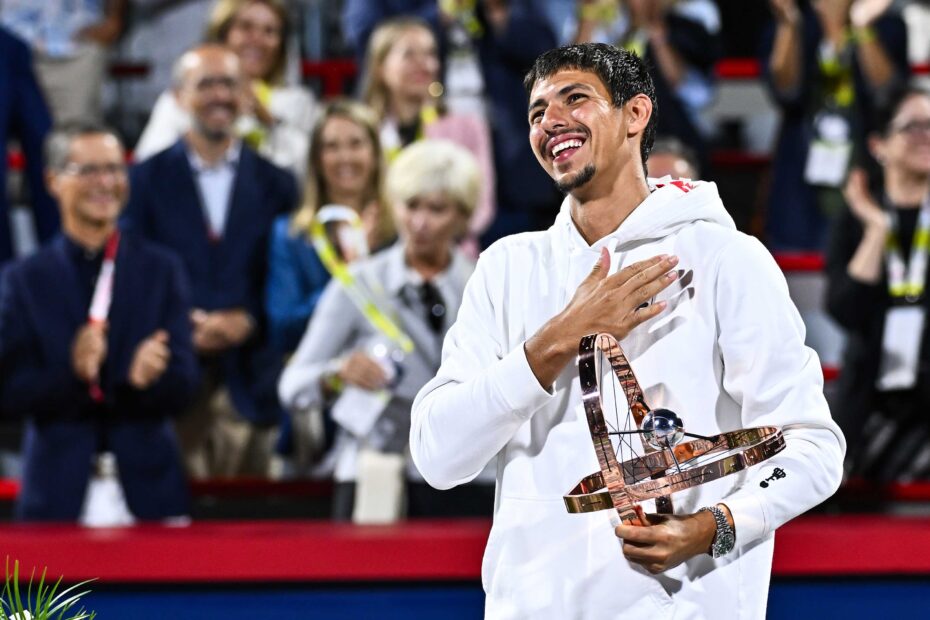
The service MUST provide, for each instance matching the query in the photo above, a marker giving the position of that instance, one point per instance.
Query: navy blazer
(41, 309)
(229, 272)
(24, 116)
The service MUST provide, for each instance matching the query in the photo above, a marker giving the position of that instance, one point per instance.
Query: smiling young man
(704, 316)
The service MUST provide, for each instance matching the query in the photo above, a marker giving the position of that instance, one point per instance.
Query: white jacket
(728, 353)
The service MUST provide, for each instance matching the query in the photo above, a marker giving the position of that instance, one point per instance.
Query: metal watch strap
(725, 537)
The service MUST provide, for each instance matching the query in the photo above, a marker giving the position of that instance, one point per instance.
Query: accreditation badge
(904, 327)
(830, 151)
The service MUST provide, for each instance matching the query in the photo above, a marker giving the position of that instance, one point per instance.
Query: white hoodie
(727, 353)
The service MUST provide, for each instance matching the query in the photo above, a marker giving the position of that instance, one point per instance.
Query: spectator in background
(877, 268)
(680, 41)
(108, 384)
(669, 157)
(360, 18)
(277, 118)
(433, 186)
(826, 64)
(346, 168)
(24, 117)
(402, 87)
(916, 14)
(212, 200)
(69, 41)
(513, 34)
(158, 32)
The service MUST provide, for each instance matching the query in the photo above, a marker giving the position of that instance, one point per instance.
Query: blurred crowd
(240, 277)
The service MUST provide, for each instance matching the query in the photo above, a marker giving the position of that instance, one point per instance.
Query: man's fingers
(630, 271)
(636, 533)
(641, 315)
(602, 266)
(644, 271)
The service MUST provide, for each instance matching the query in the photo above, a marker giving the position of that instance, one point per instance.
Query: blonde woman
(345, 168)
(278, 117)
(402, 86)
(433, 187)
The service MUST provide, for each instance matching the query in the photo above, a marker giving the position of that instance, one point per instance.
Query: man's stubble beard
(584, 175)
(212, 135)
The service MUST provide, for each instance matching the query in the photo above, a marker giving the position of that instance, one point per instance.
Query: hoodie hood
(672, 205)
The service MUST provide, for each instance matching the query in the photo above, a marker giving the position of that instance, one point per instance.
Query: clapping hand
(150, 360)
(861, 203)
(88, 351)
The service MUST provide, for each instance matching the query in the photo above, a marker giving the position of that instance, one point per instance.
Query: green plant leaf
(17, 601)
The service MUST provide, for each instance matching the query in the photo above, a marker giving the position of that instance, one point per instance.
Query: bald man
(212, 200)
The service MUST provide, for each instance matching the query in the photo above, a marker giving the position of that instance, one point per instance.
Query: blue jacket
(165, 207)
(42, 306)
(24, 116)
(296, 279)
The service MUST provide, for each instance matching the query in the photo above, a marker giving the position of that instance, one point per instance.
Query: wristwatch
(725, 538)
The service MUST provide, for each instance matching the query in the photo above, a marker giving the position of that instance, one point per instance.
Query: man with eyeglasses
(212, 200)
(95, 351)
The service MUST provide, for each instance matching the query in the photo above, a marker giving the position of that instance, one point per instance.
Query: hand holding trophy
(616, 410)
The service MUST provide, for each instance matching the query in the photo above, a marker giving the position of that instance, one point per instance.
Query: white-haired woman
(433, 187)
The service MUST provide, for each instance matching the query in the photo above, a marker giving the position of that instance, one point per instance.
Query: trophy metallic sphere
(662, 428)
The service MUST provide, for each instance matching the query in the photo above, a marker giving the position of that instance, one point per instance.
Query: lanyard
(103, 296)
(837, 73)
(340, 271)
(252, 131)
(908, 281)
(391, 142)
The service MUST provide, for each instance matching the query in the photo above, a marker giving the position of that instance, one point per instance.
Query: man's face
(92, 187)
(212, 92)
(575, 131)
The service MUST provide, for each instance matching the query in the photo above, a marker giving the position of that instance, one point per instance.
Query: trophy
(656, 464)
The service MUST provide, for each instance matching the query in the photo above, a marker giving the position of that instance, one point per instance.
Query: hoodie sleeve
(778, 381)
(482, 393)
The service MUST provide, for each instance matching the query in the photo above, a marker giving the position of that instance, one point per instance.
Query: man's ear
(53, 183)
(639, 111)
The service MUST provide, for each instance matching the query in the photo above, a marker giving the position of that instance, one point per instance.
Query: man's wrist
(550, 349)
(723, 539)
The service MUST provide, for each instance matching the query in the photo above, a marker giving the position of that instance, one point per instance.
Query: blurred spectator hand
(88, 350)
(220, 330)
(150, 360)
(861, 203)
(360, 369)
(863, 12)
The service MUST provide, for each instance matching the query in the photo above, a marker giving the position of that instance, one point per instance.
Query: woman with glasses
(348, 361)
(278, 116)
(877, 267)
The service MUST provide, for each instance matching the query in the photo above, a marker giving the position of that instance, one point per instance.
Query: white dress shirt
(215, 183)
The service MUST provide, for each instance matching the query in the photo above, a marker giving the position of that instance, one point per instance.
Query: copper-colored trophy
(663, 465)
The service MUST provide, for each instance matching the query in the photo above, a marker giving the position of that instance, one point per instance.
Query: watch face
(724, 543)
